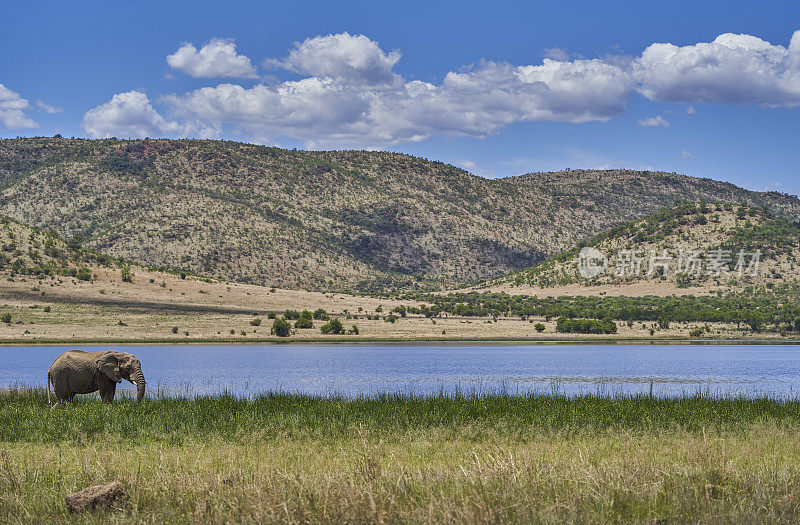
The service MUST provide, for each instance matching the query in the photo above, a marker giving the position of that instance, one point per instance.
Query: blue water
(354, 370)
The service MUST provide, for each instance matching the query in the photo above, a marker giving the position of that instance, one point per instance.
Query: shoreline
(400, 341)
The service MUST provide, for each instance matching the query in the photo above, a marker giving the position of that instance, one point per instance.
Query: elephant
(79, 372)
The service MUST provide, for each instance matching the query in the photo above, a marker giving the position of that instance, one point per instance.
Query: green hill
(690, 244)
(355, 220)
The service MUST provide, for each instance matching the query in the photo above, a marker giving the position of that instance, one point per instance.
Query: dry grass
(108, 309)
(498, 467)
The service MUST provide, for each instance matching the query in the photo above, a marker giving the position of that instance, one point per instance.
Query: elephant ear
(108, 364)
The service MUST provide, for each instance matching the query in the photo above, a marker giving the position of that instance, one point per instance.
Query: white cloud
(47, 108)
(733, 69)
(690, 110)
(343, 57)
(130, 115)
(350, 96)
(218, 58)
(355, 99)
(556, 53)
(12, 110)
(686, 155)
(654, 122)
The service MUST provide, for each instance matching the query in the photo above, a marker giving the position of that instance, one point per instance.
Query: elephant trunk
(139, 380)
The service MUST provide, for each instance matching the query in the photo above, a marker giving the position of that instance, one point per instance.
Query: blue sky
(498, 88)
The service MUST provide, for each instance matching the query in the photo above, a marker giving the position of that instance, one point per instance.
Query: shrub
(321, 314)
(127, 274)
(586, 326)
(6, 318)
(47, 309)
(334, 326)
(84, 274)
(304, 322)
(281, 327)
(391, 318)
(354, 330)
(696, 332)
(174, 329)
(255, 322)
(539, 327)
(291, 314)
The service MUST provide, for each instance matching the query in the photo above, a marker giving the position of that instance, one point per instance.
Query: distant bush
(353, 330)
(281, 327)
(255, 322)
(539, 327)
(127, 274)
(6, 318)
(304, 322)
(334, 326)
(291, 314)
(174, 329)
(320, 314)
(84, 274)
(586, 326)
(271, 315)
(47, 309)
(391, 318)
(696, 332)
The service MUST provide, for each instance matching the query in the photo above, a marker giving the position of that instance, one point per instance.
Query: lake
(354, 370)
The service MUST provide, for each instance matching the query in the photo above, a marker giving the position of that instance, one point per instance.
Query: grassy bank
(475, 459)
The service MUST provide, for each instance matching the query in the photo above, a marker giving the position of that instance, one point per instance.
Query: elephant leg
(107, 388)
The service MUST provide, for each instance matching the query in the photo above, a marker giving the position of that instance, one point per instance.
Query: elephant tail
(48, 387)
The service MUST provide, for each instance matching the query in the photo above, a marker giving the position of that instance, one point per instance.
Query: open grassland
(163, 307)
(283, 458)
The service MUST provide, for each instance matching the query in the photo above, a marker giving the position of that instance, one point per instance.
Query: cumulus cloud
(343, 57)
(686, 155)
(733, 69)
(556, 53)
(690, 110)
(350, 96)
(354, 98)
(218, 58)
(12, 110)
(47, 108)
(654, 122)
(130, 115)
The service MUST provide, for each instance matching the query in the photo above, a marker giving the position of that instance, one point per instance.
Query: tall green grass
(25, 416)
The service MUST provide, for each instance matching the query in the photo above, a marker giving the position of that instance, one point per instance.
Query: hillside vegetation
(689, 245)
(335, 220)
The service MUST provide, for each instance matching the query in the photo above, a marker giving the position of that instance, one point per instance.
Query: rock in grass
(111, 496)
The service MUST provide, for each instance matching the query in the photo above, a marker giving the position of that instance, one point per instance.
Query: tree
(281, 327)
(127, 274)
(539, 327)
(304, 322)
(320, 314)
(334, 326)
